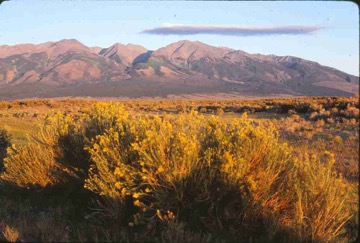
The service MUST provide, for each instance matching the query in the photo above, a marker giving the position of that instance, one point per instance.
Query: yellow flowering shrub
(30, 165)
(160, 173)
(175, 163)
(39, 162)
(102, 116)
(323, 203)
(57, 151)
(211, 173)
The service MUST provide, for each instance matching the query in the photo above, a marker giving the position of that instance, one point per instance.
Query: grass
(19, 129)
(282, 170)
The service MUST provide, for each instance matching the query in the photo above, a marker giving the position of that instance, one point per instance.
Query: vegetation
(182, 171)
(4, 144)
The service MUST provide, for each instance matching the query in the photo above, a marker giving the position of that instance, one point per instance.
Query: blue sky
(103, 23)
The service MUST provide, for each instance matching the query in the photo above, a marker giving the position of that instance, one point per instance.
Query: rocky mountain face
(67, 68)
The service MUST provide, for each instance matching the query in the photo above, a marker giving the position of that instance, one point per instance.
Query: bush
(41, 162)
(4, 144)
(56, 154)
(30, 165)
(213, 176)
(219, 111)
(322, 206)
(170, 176)
(202, 109)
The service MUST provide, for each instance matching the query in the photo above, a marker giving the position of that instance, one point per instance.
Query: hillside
(69, 68)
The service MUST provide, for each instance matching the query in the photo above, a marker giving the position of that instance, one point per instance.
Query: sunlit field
(269, 170)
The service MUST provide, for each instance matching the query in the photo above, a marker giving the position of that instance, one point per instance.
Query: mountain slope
(56, 63)
(68, 67)
(239, 67)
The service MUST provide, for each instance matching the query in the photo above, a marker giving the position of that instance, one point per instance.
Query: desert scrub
(132, 157)
(156, 175)
(207, 172)
(39, 163)
(324, 204)
(30, 165)
(112, 174)
(4, 144)
(215, 177)
(56, 154)
(10, 234)
(252, 165)
(102, 116)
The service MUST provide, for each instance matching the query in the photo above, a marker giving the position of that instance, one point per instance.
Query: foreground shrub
(39, 163)
(56, 154)
(4, 144)
(215, 177)
(323, 202)
(30, 165)
(170, 177)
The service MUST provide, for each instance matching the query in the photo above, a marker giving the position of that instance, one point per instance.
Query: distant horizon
(323, 32)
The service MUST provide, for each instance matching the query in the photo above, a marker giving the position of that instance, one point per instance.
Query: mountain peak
(185, 49)
(65, 45)
(188, 42)
(124, 54)
(69, 42)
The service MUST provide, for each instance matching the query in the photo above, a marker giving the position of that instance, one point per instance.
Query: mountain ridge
(174, 69)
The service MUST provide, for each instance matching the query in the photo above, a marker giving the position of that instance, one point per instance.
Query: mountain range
(181, 69)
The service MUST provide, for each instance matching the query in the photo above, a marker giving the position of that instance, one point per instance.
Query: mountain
(184, 68)
(124, 54)
(56, 63)
(291, 74)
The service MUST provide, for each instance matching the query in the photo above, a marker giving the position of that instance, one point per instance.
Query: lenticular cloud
(178, 29)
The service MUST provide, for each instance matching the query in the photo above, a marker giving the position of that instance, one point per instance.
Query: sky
(322, 31)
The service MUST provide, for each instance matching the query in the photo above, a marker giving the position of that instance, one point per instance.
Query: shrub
(164, 177)
(215, 176)
(56, 154)
(296, 118)
(187, 166)
(334, 110)
(10, 234)
(337, 139)
(319, 123)
(219, 111)
(291, 112)
(30, 165)
(202, 109)
(102, 116)
(133, 153)
(42, 162)
(4, 144)
(323, 206)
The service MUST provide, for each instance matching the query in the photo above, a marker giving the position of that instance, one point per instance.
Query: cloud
(179, 29)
